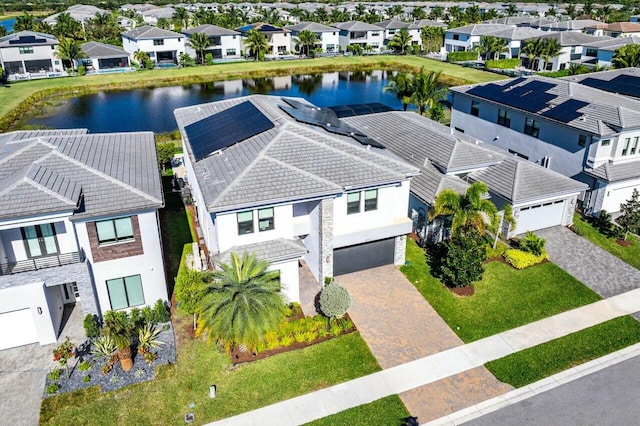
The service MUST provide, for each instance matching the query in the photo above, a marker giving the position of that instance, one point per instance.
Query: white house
(392, 26)
(615, 29)
(78, 223)
(151, 16)
(279, 39)
(79, 12)
(265, 179)
(574, 25)
(102, 58)
(468, 37)
(572, 47)
(27, 54)
(579, 131)
(162, 46)
(225, 43)
(360, 33)
(328, 37)
(600, 53)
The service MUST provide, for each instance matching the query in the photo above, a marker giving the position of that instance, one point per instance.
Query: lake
(8, 24)
(152, 109)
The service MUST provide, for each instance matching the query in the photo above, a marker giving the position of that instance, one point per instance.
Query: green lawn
(550, 358)
(385, 411)
(18, 97)
(247, 387)
(630, 254)
(504, 299)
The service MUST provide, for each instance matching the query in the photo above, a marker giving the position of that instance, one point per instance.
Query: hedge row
(462, 56)
(502, 64)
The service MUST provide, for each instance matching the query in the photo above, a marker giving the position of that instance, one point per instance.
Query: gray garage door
(363, 256)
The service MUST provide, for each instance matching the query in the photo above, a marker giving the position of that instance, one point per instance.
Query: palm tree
(257, 44)
(67, 27)
(418, 13)
(436, 13)
(69, 50)
(163, 23)
(426, 90)
(395, 11)
(360, 12)
(24, 22)
(627, 56)
(242, 304)
(432, 38)
(473, 14)
(401, 41)
(321, 15)
(141, 57)
(512, 10)
(199, 42)
(468, 209)
(551, 48)
(532, 49)
(181, 17)
(400, 85)
(306, 40)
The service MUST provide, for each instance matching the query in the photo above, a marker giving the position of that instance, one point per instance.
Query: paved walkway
(596, 268)
(309, 289)
(432, 368)
(399, 326)
(23, 371)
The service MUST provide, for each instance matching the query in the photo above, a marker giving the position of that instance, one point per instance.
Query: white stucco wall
(227, 225)
(617, 193)
(170, 44)
(288, 279)
(226, 42)
(14, 247)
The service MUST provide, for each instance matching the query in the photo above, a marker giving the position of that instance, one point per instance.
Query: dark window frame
(118, 239)
(353, 207)
(40, 238)
(158, 42)
(245, 227)
(475, 108)
(370, 204)
(504, 118)
(531, 127)
(126, 293)
(271, 224)
(582, 140)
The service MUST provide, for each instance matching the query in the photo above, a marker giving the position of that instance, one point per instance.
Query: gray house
(101, 58)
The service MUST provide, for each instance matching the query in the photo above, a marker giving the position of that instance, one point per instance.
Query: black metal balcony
(34, 264)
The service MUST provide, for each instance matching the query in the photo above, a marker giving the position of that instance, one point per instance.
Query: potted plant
(118, 328)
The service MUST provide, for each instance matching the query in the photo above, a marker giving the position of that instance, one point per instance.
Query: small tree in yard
(630, 218)
(533, 244)
(334, 300)
(190, 288)
(166, 151)
(63, 353)
(461, 258)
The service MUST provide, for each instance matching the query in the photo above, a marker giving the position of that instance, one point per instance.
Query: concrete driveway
(23, 372)
(399, 325)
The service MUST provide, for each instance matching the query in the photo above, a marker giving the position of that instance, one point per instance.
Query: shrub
(54, 374)
(147, 314)
(521, 259)
(161, 312)
(208, 59)
(139, 373)
(135, 318)
(310, 336)
(462, 56)
(103, 347)
(459, 261)
(86, 378)
(91, 326)
(52, 388)
(85, 366)
(533, 244)
(148, 64)
(334, 300)
(299, 336)
(190, 286)
(82, 70)
(503, 64)
(286, 341)
(336, 329)
(148, 338)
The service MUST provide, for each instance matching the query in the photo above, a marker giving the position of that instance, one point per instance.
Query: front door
(40, 240)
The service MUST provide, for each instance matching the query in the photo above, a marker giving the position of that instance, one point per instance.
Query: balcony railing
(19, 266)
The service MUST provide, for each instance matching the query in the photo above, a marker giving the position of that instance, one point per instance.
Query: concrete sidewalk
(435, 367)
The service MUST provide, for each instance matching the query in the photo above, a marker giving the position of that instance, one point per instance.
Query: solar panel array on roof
(623, 84)
(359, 109)
(27, 40)
(226, 128)
(566, 111)
(531, 97)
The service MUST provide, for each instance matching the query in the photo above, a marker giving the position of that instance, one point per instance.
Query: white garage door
(539, 216)
(17, 329)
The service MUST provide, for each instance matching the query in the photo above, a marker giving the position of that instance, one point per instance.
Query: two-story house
(27, 54)
(278, 39)
(289, 182)
(225, 43)
(78, 223)
(328, 37)
(162, 46)
(581, 132)
(623, 81)
(392, 26)
(468, 37)
(615, 29)
(572, 46)
(360, 33)
(600, 53)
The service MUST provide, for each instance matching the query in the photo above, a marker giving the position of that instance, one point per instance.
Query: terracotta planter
(126, 361)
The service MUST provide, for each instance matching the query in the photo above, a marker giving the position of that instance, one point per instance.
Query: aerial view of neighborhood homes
(356, 213)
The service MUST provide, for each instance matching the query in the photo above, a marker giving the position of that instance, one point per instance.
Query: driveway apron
(399, 326)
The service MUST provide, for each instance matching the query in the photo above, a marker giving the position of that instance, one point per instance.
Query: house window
(504, 118)
(234, 37)
(231, 52)
(582, 140)
(592, 53)
(517, 154)
(456, 37)
(370, 200)
(125, 292)
(158, 42)
(114, 230)
(353, 202)
(265, 219)
(531, 127)
(475, 108)
(375, 34)
(625, 150)
(24, 50)
(40, 240)
(245, 222)
(606, 142)
(635, 145)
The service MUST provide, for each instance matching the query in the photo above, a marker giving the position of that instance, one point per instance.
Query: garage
(17, 329)
(539, 216)
(363, 256)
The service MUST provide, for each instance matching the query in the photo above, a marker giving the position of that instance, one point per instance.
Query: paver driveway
(400, 326)
(22, 375)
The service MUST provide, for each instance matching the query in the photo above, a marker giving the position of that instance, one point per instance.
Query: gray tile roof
(597, 112)
(511, 20)
(356, 26)
(613, 44)
(392, 24)
(19, 135)
(116, 172)
(570, 38)
(520, 181)
(611, 172)
(40, 39)
(575, 24)
(427, 23)
(273, 250)
(518, 33)
(420, 140)
(147, 32)
(210, 30)
(430, 182)
(311, 26)
(94, 49)
(479, 29)
(289, 162)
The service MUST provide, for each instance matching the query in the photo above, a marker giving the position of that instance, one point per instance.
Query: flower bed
(520, 259)
(86, 369)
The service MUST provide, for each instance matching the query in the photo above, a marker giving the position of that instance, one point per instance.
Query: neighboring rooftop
(276, 250)
(356, 26)
(570, 38)
(427, 23)
(624, 81)
(479, 29)
(311, 26)
(613, 44)
(263, 28)
(392, 24)
(210, 30)
(94, 49)
(147, 32)
(27, 38)
(611, 172)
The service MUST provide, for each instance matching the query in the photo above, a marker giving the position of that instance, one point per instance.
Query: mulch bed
(623, 243)
(462, 291)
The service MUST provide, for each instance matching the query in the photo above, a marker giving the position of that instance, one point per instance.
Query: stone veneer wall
(326, 239)
(399, 254)
(115, 250)
(569, 209)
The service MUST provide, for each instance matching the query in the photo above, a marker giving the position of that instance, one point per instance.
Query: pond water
(152, 109)
(8, 24)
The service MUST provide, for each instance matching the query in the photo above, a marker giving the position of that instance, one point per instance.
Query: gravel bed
(116, 378)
